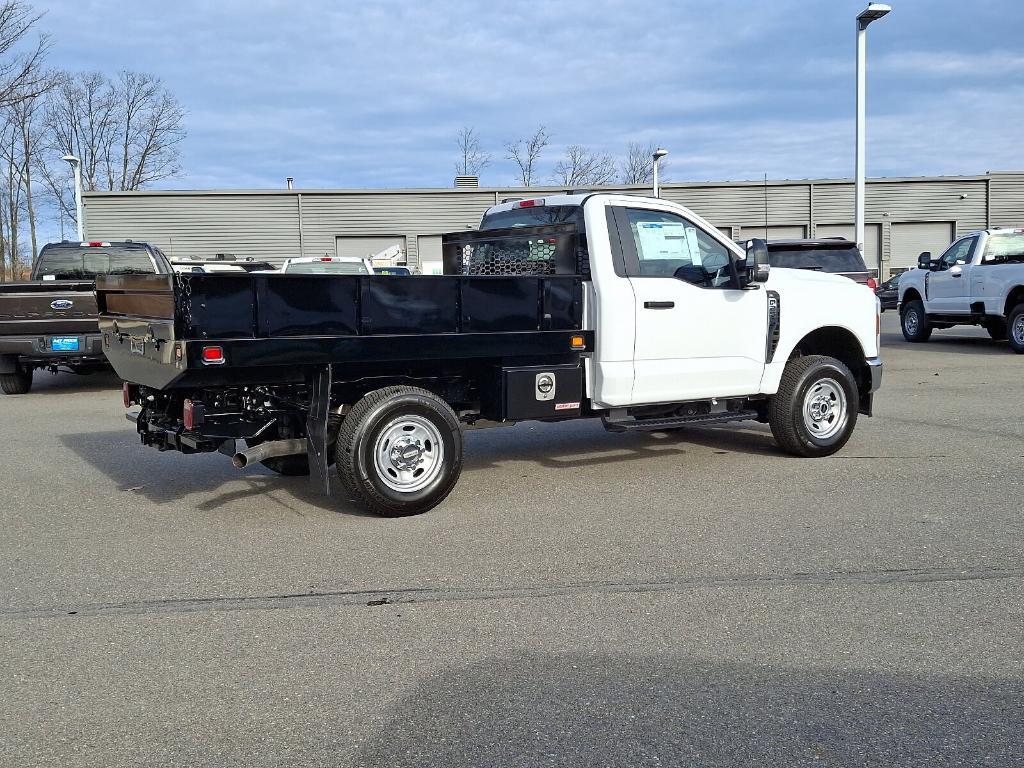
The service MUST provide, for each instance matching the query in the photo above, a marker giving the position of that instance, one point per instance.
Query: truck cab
(977, 280)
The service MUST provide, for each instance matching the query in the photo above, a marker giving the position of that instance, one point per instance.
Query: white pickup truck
(978, 280)
(635, 311)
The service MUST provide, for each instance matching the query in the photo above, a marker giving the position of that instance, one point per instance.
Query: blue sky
(371, 94)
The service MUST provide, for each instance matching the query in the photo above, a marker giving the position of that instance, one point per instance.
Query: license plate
(64, 343)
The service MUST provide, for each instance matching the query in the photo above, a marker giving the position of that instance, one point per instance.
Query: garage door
(908, 240)
(872, 239)
(428, 248)
(779, 232)
(364, 247)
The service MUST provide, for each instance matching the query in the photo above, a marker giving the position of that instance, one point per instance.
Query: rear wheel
(815, 410)
(915, 323)
(17, 383)
(399, 451)
(1015, 329)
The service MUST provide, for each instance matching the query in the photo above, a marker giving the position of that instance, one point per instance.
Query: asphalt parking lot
(582, 598)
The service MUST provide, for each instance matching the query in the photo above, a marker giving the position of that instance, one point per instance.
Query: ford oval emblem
(61, 304)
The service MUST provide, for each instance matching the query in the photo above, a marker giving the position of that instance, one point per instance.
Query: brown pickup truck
(50, 322)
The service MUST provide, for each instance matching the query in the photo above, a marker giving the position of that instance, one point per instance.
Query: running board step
(653, 425)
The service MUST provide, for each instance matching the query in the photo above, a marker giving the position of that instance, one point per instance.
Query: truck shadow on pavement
(169, 477)
(632, 710)
(64, 383)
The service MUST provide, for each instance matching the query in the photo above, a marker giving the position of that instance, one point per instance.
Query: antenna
(766, 206)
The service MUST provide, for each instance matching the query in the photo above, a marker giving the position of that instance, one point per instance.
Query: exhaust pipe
(268, 450)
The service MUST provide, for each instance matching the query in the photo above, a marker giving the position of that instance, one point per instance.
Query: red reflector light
(126, 394)
(529, 203)
(213, 355)
(326, 258)
(188, 415)
(872, 283)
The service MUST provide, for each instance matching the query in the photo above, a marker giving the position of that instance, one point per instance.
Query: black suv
(836, 255)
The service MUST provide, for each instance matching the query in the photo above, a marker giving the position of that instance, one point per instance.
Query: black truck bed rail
(274, 327)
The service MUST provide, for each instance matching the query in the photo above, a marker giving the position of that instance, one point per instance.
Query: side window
(661, 244)
(960, 251)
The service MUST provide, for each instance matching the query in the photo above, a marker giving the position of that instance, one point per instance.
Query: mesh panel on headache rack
(521, 256)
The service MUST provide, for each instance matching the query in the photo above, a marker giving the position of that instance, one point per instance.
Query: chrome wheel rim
(1018, 331)
(408, 454)
(910, 322)
(825, 411)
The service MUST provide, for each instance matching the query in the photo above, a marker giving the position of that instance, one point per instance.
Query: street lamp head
(71, 159)
(873, 12)
(659, 153)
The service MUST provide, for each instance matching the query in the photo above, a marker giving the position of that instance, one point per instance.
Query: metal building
(904, 216)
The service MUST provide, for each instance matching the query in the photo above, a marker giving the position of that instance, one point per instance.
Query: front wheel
(399, 451)
(17, 383)
(815, 410)
(1015, 329)
(915, 323)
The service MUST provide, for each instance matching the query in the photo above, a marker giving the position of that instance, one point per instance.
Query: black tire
(17, 383)
(914, 322)
(996, 329)
(1015, 329)
(434, 443)
(289, 466)
(820, 385)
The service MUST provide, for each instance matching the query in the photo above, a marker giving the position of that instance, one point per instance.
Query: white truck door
(948, 289)
(697, 335)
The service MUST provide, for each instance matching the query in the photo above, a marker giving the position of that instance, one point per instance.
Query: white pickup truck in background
(978, 280)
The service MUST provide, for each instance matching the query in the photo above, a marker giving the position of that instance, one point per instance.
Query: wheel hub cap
(1018, 330)
(408, 454)
(824, 410)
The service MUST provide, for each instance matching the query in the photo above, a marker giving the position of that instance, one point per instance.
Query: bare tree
(12, 169)
(125, 131)
(525, 152)
(638, 166)
(472, 158)
(582, 166)
(21, 69)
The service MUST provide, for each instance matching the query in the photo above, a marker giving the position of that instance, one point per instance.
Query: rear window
(75, 262)
(822, 259)
(531, 217)
(327, 268)
(1005, 249)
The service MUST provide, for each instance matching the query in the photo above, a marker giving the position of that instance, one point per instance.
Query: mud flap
(316, 430)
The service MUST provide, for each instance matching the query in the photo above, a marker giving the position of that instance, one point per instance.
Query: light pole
(76, 166)
(871, 13)
(658, 154)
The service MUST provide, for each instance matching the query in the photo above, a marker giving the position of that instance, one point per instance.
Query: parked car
(888, 293)
(328, 265)
(650, 321)
(834, 255)
(218, 265)
(978, 280)
(50, 322)
(392, 271)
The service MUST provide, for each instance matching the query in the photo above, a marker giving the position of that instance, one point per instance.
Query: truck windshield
(531, 217)
(1004, 249)
(825, 259)
(70, 262)
(327, 268)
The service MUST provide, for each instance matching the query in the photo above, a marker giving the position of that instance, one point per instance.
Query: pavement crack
(409, 595)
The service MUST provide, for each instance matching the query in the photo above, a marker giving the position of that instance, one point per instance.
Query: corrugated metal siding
(1008, 200)
(264, 227)
(265, 224)
(910, 239)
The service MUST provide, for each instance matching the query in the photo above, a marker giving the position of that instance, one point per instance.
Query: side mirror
(757, 261)
(924, 261)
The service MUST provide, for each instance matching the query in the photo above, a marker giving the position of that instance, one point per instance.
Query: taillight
(872, 283)
(126, 394)
(528, 203)
(213, 355)
(193, 414)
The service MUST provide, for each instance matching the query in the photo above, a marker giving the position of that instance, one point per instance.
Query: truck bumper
(874, 381)
(38, 351)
